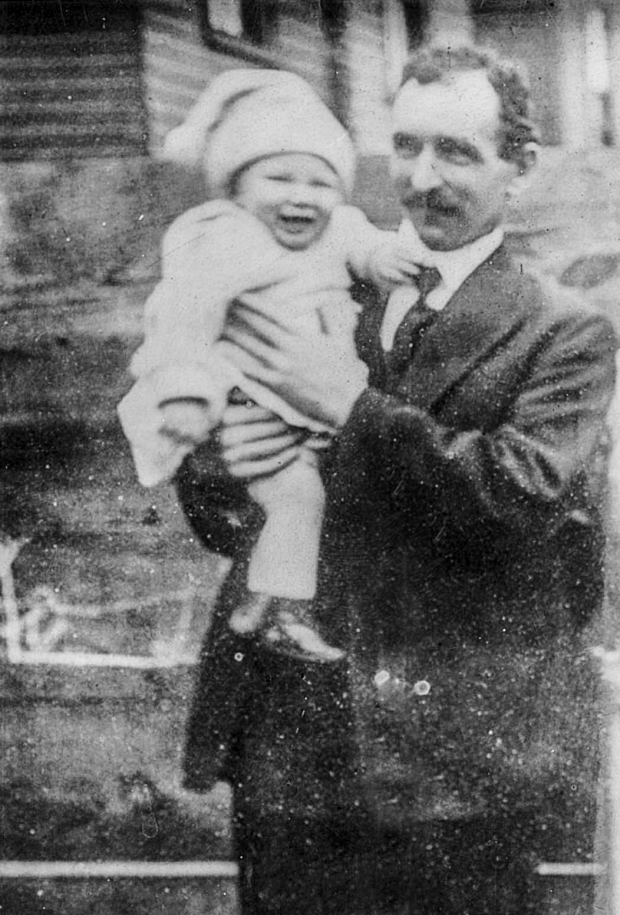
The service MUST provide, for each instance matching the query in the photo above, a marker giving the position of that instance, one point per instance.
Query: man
(462, 544)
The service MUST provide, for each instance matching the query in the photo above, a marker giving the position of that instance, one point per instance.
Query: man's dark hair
(430, 63)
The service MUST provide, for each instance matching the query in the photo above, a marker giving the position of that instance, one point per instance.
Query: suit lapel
(484, 312)
(368, 334)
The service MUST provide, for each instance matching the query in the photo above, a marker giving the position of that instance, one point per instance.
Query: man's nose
(423, 171)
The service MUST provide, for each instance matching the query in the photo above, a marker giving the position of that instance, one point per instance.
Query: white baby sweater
(213, 255)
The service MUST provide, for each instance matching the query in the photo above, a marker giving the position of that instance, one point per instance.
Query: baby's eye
(279, 177)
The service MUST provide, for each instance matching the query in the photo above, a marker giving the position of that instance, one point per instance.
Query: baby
(277, 234)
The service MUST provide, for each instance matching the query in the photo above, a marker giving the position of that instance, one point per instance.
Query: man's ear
(528, 157)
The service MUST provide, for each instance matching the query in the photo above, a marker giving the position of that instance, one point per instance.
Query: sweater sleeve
(361, 239)
(210, 255)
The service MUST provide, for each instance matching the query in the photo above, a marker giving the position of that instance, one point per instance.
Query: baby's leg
(285, 559)
(282, 576)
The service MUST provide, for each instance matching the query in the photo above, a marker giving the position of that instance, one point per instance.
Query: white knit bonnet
(246, 115)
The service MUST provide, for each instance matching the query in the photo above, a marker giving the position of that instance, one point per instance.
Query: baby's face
(293, 194)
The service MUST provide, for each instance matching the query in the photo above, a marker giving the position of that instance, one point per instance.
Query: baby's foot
(291, 630)
(251, 614)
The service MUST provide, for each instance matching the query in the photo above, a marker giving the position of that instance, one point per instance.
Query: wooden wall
(70, 80)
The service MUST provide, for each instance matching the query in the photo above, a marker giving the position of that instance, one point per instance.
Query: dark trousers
(307, 846)
(482, 866)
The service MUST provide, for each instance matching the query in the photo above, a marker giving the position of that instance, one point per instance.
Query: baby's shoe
(251, 613)
(290, 629)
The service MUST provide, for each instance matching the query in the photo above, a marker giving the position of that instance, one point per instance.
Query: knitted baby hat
(245, 115)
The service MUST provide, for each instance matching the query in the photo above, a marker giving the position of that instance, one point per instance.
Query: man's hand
(255, 442)
(319, 374)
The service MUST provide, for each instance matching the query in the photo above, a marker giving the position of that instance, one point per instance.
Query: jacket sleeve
(517, 474)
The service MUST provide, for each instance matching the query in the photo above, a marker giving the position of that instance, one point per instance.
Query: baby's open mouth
(297, 223)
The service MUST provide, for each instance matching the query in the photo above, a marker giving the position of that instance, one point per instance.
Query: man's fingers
(248, 415)
(396, 275)
(409, 271)
(249, 470)
(232, 433)
(244, 312)
(250, 356)
(262, 328)
(255, 442)
(244, 339)
(235, 447)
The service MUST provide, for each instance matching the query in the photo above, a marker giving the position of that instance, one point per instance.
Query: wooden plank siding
(75, 93)
(116, 86)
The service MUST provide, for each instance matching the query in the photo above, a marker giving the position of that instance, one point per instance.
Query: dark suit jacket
(464, 538)
(461, 563)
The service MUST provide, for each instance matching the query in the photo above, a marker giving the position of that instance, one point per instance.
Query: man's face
(449, 176)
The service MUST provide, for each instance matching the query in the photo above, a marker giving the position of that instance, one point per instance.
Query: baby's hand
(392, 266)
(188, 421)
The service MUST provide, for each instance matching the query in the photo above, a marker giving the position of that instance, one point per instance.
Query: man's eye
(406, 145)
(459, 153)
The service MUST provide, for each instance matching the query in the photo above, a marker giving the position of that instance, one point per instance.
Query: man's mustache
(432, 200)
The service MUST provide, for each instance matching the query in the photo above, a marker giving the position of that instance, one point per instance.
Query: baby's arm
(162, 433)
(184, 315)
(181, 381)
(210, 257)
(377, 254)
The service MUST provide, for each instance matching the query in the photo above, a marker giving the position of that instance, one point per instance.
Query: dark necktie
(415, 322)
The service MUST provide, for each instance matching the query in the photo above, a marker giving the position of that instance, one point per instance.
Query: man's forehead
(462, 103)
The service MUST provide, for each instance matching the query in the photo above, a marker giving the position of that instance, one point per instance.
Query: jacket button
(421, 688)
(381, 678)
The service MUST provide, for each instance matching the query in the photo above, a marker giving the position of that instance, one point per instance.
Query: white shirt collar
(454, 266)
